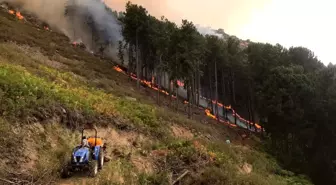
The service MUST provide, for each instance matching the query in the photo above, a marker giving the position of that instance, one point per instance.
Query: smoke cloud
(208, 31)
(89, 21)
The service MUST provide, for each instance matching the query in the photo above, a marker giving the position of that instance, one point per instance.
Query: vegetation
(289, 91)
(35, 93)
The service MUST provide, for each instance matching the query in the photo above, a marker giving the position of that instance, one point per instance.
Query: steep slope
(49, 90)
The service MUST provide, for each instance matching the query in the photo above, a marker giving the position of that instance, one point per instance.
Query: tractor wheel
(93, 168)
(101, 159)
(65, 171)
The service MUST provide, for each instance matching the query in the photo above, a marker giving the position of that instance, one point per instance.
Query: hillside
(50, 89)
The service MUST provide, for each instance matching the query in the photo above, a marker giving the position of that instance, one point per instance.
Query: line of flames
(21, 17)
(234, 113)
(207, 111)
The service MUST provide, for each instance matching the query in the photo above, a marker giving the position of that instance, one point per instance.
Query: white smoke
(53, 13)
(208, 31)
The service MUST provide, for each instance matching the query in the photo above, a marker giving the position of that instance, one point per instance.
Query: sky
(307, 23)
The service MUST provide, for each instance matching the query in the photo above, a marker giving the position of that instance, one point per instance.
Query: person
(85, 142)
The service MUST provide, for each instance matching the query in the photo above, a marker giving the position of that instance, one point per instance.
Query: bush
(216, 176)
(154, 179)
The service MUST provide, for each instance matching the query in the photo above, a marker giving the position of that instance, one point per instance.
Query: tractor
(87, 157)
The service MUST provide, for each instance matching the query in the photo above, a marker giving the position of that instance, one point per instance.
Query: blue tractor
(89, 156)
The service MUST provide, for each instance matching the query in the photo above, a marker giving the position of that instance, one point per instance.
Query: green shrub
(216, 176)
(153, 179)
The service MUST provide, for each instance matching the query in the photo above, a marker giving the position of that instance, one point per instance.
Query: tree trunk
(251, 104)
(189, 98)
(159, 81)
(175, 85)
(233, 89)
(210, 90)
(164, 80)
(198, 88)
(130, 57)
(158, 91)
(224, 93)
(233, 98)
(251, 117)
(216, 83)
(170, 92)
(249, 111)
(193, 94)
(137, 61)
(146, 73)
(193, 90)
(140, 65)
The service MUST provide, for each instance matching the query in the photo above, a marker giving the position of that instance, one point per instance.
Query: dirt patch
(116, 139)
(30, 151)
(143, 164)
(124, 143)
(181, 132)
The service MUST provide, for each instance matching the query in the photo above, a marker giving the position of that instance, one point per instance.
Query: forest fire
(179, 83)
(17, 14)
(207, 111)
(117, 68)
(235, 114)
(145, 82)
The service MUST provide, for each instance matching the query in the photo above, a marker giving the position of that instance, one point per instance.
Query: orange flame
(19, 16)
(118, 69)
(179, 83)
(207, 112)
